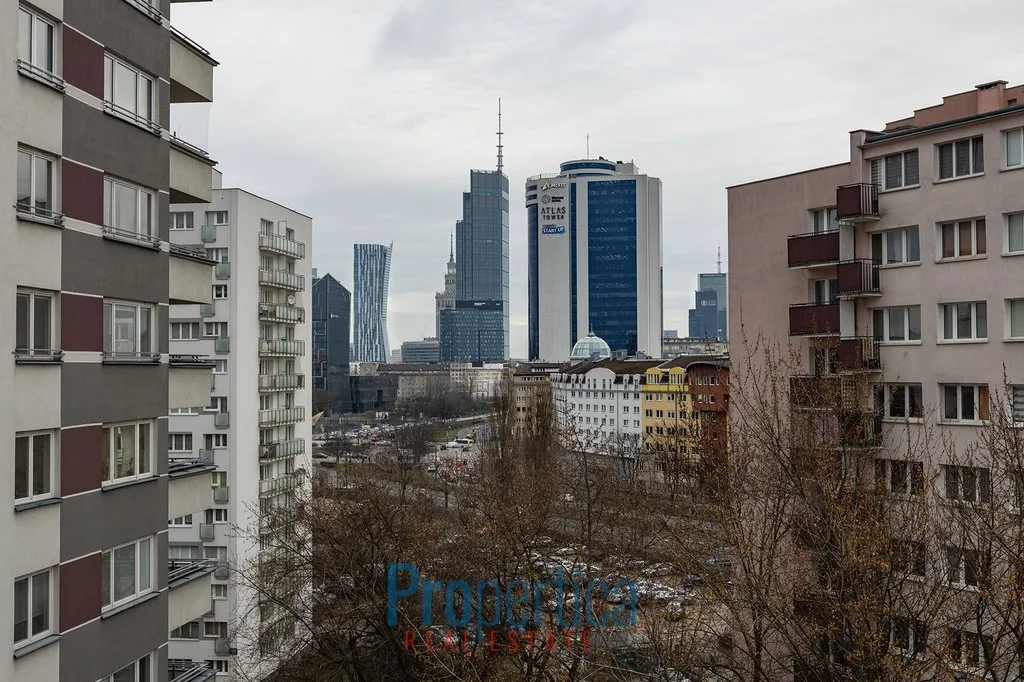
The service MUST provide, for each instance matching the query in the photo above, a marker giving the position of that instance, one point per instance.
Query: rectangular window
(218, 403)
(968, 648)
(900, 476)
(128, 330)
(33, 607)
(129, 92)
(964, 567)
(220, 666)
(128, 207)
(964, 402)
(824, 220)
(220, 290)
(1016, 398)
(184, 331)
(34, 313)
(219, 479)
(193, 630)
(181, 521)
(190, 411)
(962, 239)
(217, 516)
(961, 158)
(217, 330)
(896, 324)
(180, 442)
(220, 366)
(126, 572)
(908, 556)
(183, 220)
(824, 291)
(216, 217)
(33, 467)
(1015, 318)
(1014, 146)
(1014, 233)
(215, 628)
(902, 245)
(899, 401)
(219, 254)
(963, 321)
(968, 484)
(219, 591)
(896, 170)
(909, 636)
(184, 552)
(37, 179)
(127, 452)
(36, 41)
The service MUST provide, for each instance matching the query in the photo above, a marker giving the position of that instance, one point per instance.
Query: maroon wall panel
(81, 459)
(83, 62)
(82, 192)
(79, 591)
(81, 322)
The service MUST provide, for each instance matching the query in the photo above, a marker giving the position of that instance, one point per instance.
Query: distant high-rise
(372, 271)
(594, 258)
(332, 314)
(709, 319)
(445, 300)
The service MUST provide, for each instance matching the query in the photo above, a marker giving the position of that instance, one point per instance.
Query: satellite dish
(291, 299)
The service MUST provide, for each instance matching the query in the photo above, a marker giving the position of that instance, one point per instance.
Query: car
(320, 455)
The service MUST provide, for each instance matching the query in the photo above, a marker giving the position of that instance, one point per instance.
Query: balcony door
(824, 291)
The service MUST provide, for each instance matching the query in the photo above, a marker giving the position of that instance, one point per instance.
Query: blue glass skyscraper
(372, 270)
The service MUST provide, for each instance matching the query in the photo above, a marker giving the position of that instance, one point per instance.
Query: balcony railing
(858, 354)
(282, 313)
(858, 202)
(28, 356)
(221, 494)
(812, 391)
(222, 345)
(206, 310)
(222, 420)
(282, 382)
(187, 670)
(283, 279)
(275, 486)
(284, 448)
(206, 532)
(808, 250)
(275, 243)
(209, 234)
(858, 278)
(272, 348)
(180, 569)
(860, 430)
(222, 271)
(814, 319)
(282, 415)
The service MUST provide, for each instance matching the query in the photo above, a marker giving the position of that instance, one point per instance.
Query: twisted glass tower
(371, 272)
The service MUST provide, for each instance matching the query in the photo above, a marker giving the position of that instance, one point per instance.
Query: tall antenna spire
(719, 258)
(501, 159)
(588, 145)
(451, 247)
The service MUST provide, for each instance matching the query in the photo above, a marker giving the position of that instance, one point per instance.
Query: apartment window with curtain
(902, 245)
(1015, 233)
(964, 402)
(896, 170)
(127, 452)
(962, 239)
(34, 324)
(34, 470)
(966, 321)
(36, 182)
(126, 572)
(961, 158)
(899, 476)
(128, 207)
(824, 220)
(128, 330)
(129, 92)
(899, 401)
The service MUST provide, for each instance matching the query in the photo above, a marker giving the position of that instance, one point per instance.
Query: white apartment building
(258, 423)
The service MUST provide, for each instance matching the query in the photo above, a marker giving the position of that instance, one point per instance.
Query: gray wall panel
(93, 265)
(107, 518)
(93, 393)
(124, 30)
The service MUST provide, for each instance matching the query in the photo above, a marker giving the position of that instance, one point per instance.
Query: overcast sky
(369, 115)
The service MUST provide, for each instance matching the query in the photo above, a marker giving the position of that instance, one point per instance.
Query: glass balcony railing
(275, 243)
(282, 382)
(282, 313)
(283, 448)
(282, 279)
(283, 347)
(275, 486)
(281, 415)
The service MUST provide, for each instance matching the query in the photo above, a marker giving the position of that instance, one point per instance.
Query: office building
(257, 424)
(904, 286)
(445, 300)
(371, 276)
(332, 316)
(425, 351)
(88, 166)
(709, 318)
(674, 347)
(594, 238)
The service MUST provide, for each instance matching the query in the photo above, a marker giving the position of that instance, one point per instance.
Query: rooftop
(619, 367)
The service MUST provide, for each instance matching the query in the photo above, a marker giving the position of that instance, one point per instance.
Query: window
(961, 158)
(824, 291)
(36, 41)
(968, 648)
(191, 411)
(33, 467)
(180, 442)
(220, 290)
(217, 516)
(136, 671)
(127, 329)
(899, 401)
(963, 566)
(909, 636)
(219, 254)
(1014, 232)
(216, 217)
(218, 403)
(184, 331)
(900, 476)
(962, 239)
(1016, 396)
(181, 521)
(215, 628)
(127, 207)
(184, 220)
(184, 552)
(32, 606)
(127, 452)
(964, 402)
(191, 630)
(219, 591)
(36, 182)
(220, 366)
(126, 572)
(896, 324)
(967, 484)
(266, 226)
(216, 329)
(128, 91)
(1014, 144)
(896, 170)
(219, 479)
(219, 666)
(902, 245)
(908, 557)
(964, 321)
(824, 220)
(34, 324)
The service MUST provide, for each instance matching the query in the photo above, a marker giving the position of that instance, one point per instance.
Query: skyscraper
(372, 270)
(332, 315)
(709, 319)
(444, 300)
(594, 258)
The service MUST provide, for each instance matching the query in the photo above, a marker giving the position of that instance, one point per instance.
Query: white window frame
(34, 348)
(110, 308)
(220, 288)
(979, 394)
(1012, 308)
(220, 665)
(880, 175)
(34, 158)
(218, 479)
(182, 439)
(953, 146)
(195, 331)
(976, 225)
(949, 312)
(144, 213)
(957, 575)
(215, 217)
(219, 631)
(143, 579)
(220, 366)
(187, 220)
(217, 516)
(181, 522)
(889, 390)
(136, 114)
(884, 334)
(979, 491)
(1013, 223)
(214, 330)
(142, 460)
(218, 253)
(218, 591)
(197, 624)
(903, 477)
(823, 220)
(1015, 397)
(1013, 140)
(30, 465)
(186, 411)
(32, 60)
(904, 243)
(915, 648)
(30, 587)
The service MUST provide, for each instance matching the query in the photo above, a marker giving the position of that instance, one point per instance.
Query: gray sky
(369, 115)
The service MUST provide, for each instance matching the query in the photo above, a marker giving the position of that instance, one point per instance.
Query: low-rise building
(672, 347)
(427, 350)
(530, 383)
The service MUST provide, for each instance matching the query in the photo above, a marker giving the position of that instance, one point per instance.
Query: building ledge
(36, 646)
(125, 484)
(35, 504)
(130, 605)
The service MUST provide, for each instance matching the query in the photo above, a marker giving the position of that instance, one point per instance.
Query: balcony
(222, 345)
(270, 348)
(189, 276)
(188, 584)
(222, 420)
(812, 392)
(858, 354)
(207, 309)
(282, 279)
(281, 382)
(222, 572)
(858, 278)
(188, 487)
(222, 271)
(221, 494)
(191, 176)
(187, 670)
(275, 486)
(191, 70)
(207, 532)
(281, 416)
(859, 430)
(857, 203)
(283, 449)
(814, 319)
(188, 381)
(222, 646)
(275, 243)
(813, 250)
(282, 313)
(208, 234)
